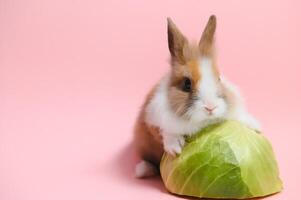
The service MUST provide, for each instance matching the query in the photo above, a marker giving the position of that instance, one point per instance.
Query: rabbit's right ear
(176, 42)
(206, 43)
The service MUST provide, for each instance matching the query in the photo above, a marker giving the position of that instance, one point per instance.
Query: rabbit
(191, 96)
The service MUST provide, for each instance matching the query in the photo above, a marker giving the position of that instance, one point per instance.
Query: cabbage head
(225, 160)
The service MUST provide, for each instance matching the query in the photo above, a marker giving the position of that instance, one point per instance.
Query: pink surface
(74, 73)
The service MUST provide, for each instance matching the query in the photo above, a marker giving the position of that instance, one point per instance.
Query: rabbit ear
(206, 44)
(176, 42)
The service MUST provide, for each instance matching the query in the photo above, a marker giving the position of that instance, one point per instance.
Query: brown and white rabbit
(190, 96)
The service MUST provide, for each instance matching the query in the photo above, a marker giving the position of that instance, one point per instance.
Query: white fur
(238, 110)
(174, 127)
(145, 169)
(207, 85)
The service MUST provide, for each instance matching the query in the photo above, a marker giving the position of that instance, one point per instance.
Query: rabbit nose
(209, 109)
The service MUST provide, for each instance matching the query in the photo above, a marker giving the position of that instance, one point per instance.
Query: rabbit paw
(173, 144)
(251, 122)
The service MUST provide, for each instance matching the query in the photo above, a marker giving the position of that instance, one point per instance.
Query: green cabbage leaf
(225, 160)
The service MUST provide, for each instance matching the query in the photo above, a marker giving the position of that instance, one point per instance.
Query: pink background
(74, 73)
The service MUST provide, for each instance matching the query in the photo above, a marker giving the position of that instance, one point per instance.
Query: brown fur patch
(180, 100)
(195, 74)
(148, 139)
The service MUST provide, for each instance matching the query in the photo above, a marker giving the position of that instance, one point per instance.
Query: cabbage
(225, 160)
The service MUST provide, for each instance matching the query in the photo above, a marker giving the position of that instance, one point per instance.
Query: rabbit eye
(186, 85)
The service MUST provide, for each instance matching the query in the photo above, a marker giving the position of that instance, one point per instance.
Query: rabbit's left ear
(176, 42)
(206, 44)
